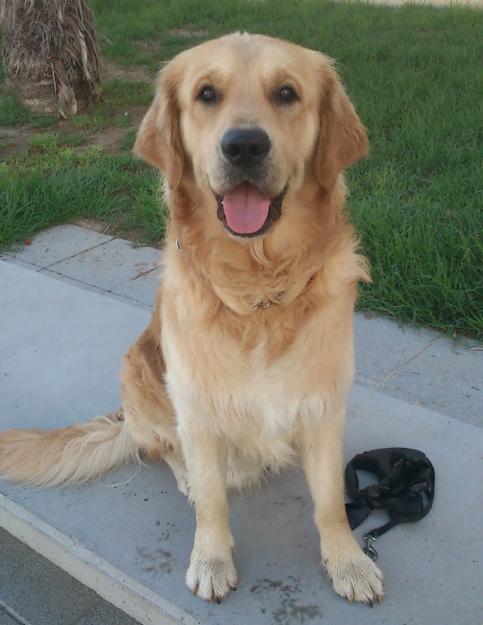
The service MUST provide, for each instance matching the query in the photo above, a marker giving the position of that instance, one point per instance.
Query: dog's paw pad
(212, 579)
(357, 579)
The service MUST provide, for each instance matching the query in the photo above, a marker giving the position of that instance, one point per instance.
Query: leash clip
(368, 548)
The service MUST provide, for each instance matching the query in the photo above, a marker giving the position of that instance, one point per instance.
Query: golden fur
(247, 360)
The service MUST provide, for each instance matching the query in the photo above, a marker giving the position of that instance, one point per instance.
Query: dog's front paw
(356, 579)
(211, 579)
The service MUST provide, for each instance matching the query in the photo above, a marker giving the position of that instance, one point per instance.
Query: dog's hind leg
(177, 466)
(147, 406)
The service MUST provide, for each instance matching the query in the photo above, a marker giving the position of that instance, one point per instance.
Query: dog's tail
(75, 454)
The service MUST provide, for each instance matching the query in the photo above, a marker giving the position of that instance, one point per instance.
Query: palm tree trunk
(50, 54)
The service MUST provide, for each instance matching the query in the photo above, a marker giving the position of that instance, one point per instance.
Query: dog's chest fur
(255, 403)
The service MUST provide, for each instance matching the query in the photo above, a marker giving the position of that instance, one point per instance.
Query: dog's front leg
(353, 574)
(211, 573)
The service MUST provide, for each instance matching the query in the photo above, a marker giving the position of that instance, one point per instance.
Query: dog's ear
(159, 140)
(343, 138)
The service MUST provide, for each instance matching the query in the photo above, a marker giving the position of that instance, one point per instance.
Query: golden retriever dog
(248, 358)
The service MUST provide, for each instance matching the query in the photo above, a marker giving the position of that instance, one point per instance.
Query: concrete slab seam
(11, 612)
(140, 275)
(88, 249)
(75, 281)
(399, 369)
(8, 258)
(55, 275)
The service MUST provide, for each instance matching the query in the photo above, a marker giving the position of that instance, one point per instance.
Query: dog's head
(249, 119)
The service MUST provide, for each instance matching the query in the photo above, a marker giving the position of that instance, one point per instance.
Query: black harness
(405, 489)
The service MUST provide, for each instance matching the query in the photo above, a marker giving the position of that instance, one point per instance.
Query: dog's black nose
(245, 147)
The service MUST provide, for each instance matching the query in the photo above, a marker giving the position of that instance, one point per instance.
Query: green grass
(415, 76)
(14, 113)
(114, 188)
(98, 120)
(127, 141)
(127, 92)
(50, 141)
(72, 139)
(116, 96)
(45, 142)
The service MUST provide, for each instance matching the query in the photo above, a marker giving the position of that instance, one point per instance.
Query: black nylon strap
(405, 488)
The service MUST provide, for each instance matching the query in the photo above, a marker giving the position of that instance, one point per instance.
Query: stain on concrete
(266, 584)
(290, 609)
(165, 534)
(291, 612)
(155, 560)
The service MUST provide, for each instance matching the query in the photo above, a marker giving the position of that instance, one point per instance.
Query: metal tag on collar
(178, 245)
(262, 304)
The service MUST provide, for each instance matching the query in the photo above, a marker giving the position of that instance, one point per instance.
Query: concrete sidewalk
(73, 301)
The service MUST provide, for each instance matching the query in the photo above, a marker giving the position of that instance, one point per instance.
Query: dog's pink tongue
(246, 209)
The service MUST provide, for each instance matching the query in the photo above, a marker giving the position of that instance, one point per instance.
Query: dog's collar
(266, 302)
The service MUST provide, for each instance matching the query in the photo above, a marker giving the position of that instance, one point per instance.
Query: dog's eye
(285, 95)
(207, 95)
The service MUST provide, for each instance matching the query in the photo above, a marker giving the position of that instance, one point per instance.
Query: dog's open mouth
(246, 211)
